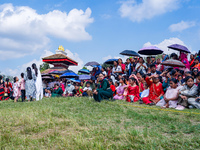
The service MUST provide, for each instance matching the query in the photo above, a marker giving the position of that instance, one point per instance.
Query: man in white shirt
(69, 89)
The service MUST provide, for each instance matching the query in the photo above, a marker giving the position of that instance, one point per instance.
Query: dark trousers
(23, 95)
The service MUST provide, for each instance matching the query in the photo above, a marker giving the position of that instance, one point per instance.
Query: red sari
(133, 91)
(112, 87)
(154, 91)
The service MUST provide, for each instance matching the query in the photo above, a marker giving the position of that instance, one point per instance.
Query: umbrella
(173, 63)
(75, 80)
(47, 77)
(85, 71)
(92, 63)
(110, 61)
(69, 74)
(129, 53)
(84, 77)
(179, 47)
(150, 50)
(56, 72)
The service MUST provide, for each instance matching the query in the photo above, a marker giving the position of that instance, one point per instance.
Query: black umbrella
(110, 61)
(130, 53)
(92, 63)
(150, 50)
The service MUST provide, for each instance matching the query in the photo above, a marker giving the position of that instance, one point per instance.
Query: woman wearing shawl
(103, 91)
(30, 87)
(2, 85)
(38, 82)
(184, 60)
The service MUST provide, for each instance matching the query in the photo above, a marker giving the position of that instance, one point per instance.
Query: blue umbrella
(110, 61)
(84, 77)
(56, 72)
(69, 74)
(85, 71)
(75, 80)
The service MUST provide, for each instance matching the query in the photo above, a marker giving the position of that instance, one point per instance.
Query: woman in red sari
(155, 90)
(8, 89)
(133, 91)
(2, 85)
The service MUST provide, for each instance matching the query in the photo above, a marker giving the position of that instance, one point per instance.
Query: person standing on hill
(38, 82)
(2, 85)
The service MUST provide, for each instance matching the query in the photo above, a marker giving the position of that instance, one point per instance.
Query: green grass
(81, 123)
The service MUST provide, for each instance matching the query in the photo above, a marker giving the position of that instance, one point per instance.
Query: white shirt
(145, 93)
(104, 73)
(141, 68)
(118, 68)
(87, 88)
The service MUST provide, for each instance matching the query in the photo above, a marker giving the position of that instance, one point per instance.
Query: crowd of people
(137, 80)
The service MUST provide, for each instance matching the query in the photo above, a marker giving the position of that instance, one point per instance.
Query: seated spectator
(87, 91)
(47, 93)
(77, 92)
(57, 91)
(103, 91)
(153, 70)
(132, 91)
(187, 94)
(69, 89)
(144, 94)
(171, 96)
(112, 87)
(120, 90)
(156, 90)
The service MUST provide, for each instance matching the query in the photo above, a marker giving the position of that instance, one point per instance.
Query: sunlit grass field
(82, 123)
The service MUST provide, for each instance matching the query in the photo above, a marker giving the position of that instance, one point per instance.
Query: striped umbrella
(173, 63)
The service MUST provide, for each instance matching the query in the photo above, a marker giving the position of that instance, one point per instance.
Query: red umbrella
(173, 63)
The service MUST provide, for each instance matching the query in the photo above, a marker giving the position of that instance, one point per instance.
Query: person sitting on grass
(87, 91)
(155, 90)
(69, 89)
(144, 94)
(133, 91)
(112, 87)
(171, 96)
(47, 93)
(120, 90)
(103, 91)
(187, 94)
(77, 92)
(57, 92)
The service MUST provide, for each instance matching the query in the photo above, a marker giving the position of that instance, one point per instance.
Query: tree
(44, 66)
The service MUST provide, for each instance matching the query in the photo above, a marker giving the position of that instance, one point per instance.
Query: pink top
(22, 84)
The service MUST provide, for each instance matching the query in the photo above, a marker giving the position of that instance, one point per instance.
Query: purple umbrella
(179, 48)
(84, 77)
(150, 50)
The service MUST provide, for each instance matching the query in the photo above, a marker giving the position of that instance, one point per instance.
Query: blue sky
(107, 28)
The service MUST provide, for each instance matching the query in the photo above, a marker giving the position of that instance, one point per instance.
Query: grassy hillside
(81, 123)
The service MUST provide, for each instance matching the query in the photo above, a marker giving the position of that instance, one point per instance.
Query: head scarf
(35, 68)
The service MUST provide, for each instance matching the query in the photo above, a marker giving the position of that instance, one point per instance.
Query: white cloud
(77, 58)
(148, 9)
(167, 42)
(106, 16)
(183, 25)
(24, 32)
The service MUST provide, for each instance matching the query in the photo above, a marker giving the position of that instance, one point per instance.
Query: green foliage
(44, 66)
(82, 123)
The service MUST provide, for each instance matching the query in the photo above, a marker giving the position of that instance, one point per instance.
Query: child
(120, 89)
(171, 96)
(112, 87)
(47, 93)
(77, 92)
(155, 90)
(188, 94)
(16, 89)
(144, 94)
(87, 91)
(133, 91)
(22, 87)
